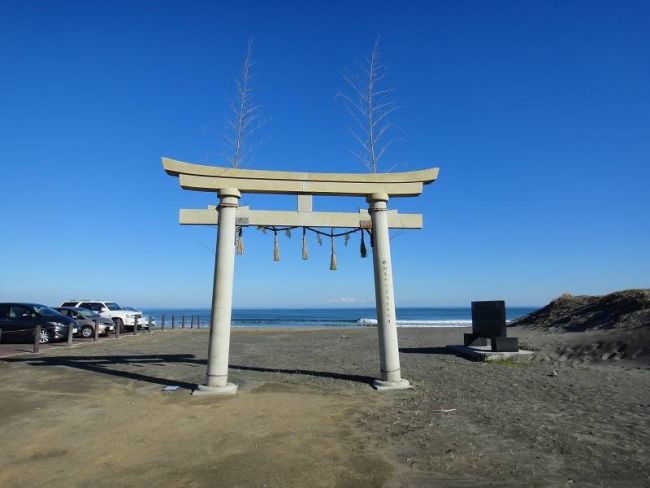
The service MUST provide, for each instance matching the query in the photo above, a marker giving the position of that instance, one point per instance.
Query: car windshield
(87, 313)
(46, 311)
(113, 306)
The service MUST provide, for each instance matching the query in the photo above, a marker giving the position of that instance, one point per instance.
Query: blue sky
(537, 113)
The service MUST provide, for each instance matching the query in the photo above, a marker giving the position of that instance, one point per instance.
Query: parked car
(110, 310)
(87, 320)
(18, 322)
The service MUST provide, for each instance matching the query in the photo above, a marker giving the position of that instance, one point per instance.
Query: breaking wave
(419, 323)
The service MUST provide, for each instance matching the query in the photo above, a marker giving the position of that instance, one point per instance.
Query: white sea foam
(365, 322)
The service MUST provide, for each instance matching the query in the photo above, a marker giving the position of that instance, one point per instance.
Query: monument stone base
(475, 340)
(505, 344)
(485, 353)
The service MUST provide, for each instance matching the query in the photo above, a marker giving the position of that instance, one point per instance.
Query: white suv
(110, 310)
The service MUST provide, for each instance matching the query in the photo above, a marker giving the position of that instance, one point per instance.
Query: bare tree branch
(243, 120)
(369, 107)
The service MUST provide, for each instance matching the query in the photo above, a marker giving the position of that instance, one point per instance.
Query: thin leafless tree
(370, 105)
(243, 119)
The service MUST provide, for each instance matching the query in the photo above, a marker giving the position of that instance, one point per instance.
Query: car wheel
(46, 336)
(87, 331)
(119, 324)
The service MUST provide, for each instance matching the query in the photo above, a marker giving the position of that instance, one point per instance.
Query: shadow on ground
(318, 374)
(103, 365)
(427, 350)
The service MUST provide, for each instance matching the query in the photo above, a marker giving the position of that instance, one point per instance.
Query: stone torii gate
(230, 183)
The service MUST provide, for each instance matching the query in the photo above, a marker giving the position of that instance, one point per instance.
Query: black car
(18, 322)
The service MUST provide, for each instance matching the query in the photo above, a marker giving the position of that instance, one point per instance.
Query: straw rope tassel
(333, 255)
(239, 242)
(364, 251)
(276, 246)
(305, 251)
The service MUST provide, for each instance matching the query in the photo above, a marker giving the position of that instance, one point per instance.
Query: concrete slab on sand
(484, 353)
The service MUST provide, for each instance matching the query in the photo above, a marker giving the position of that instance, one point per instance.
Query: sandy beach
(305, 415)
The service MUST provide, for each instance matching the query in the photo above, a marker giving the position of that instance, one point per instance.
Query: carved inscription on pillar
(385, 269)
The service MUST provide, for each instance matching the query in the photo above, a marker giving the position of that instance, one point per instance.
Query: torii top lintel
(213, 178)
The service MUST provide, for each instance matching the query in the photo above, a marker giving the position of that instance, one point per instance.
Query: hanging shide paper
(333, 253)
(305, 251)
(276, 246)
(239, 241)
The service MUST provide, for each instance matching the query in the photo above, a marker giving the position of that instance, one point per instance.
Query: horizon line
(333, 307)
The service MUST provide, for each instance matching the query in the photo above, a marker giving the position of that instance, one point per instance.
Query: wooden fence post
(135, 326)
(37, 339)
(162, 323)
(96, 332)
(117, 331)
(173, 321)
(150, 325)
(0, 335)
(70, 331)
(183, 322)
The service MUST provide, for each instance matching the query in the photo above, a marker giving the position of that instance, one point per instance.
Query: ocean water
(326, 317)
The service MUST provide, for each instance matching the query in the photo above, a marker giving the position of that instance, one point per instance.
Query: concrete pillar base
(381, 385)
(227, 389)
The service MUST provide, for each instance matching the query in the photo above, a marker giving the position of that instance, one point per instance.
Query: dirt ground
(306, 416)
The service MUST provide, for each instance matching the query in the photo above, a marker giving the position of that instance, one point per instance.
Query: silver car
(88, 320)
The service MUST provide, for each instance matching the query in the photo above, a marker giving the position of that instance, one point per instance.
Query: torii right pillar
(391, 377)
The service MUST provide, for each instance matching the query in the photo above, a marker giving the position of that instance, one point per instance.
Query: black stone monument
(489, 322)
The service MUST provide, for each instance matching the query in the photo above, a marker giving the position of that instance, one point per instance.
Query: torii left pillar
(216, 382)
(391, 378)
